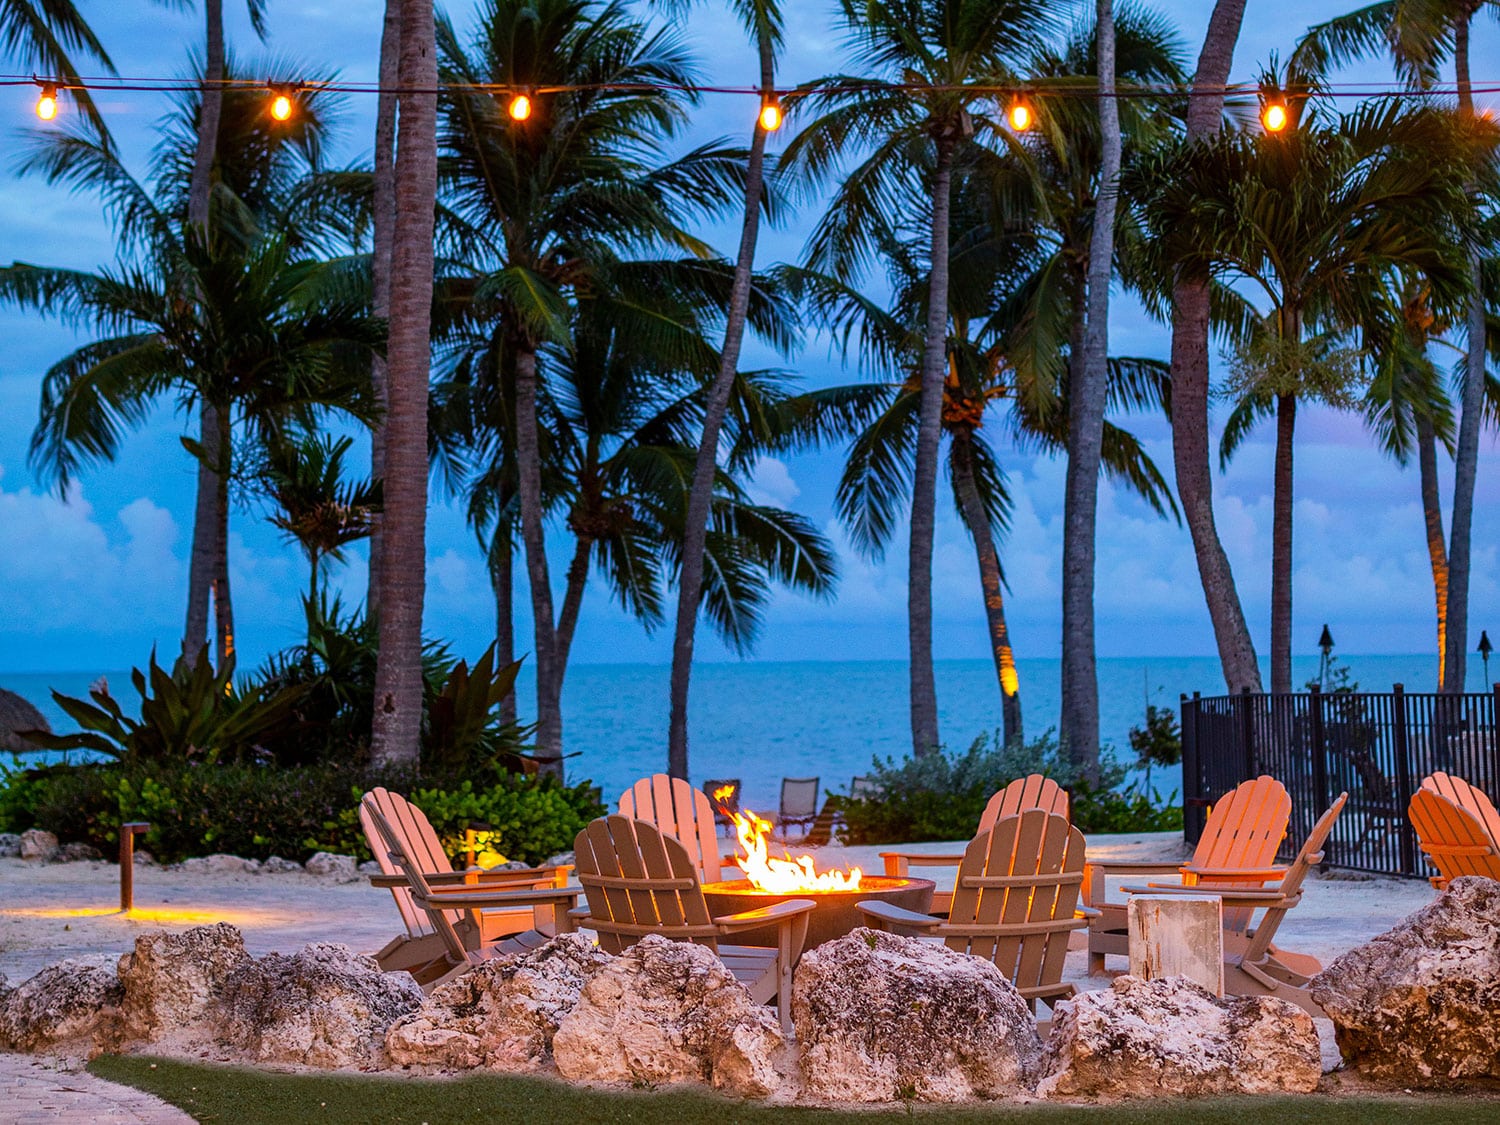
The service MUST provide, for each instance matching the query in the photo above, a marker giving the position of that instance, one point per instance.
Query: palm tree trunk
(1190, 433)
(397, 725)
(925, 737)
(991, 582)
(1086, 403)
(567, 619)
(201, 570)
(1466, 459)
(312, 578)
(502, 578)
(223, 602)
(380, 261)
(1281, 548)
(700, 495)
(1437, 551)
(533, 540)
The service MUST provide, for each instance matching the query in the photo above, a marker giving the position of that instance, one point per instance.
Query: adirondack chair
(1466, 797)
(1238, 847)
(441, 903)
(1453, 838)
(685, 814)
(1015, 902)
(1253, 965)
(421, 942)
(1033, 791)
(799, 803)
(639, 880)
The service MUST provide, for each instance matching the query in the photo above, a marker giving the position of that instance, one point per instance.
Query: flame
(723, 793)
(782, 875)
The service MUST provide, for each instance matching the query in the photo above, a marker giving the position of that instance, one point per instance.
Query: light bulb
(1019, 116)
(46, 105)
(519, 108)
(1275, 117)
(281, 107)
(770, 115)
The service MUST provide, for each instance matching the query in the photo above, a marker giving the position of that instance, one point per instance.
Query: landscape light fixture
(770, 113)
(1275, 116)
(1485, 648)
(1019, 115)
(519, 107)
(1325, 642)
(46, 104)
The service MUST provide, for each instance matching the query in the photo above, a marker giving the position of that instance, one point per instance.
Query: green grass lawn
(251, 1097)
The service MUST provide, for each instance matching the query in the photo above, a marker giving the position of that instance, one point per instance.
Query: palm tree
(1191, 317)
(762, 19)
(908, 116)
(43, 35)
(1312, 219)
(1419, 35)
(548, 202)
(397, 721)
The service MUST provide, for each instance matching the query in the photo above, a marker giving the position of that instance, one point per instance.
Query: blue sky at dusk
(91, 580)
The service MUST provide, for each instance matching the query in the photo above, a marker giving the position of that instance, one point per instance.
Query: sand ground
(52, 911)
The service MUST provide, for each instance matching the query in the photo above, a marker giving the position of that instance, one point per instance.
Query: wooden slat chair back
(638, 880)
(394, 851)
(1452, 837)
(1016, 898)
(1467, 797)
(1034, 791)
(419, 841)
(1243, 832)
(683, 813)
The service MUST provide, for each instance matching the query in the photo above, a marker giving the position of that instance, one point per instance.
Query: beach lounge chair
(420, 843)
(549, 907)
(639, 880)
(1238, 847)
(724, 797)
(1467, 797)
(1253, 965)
(1452, 837)
(1015, 902)
(685, 814)
(1033, 791)
(799, 803)
(863, 788)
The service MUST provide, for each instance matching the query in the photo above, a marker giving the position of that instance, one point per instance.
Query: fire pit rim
(870, 885)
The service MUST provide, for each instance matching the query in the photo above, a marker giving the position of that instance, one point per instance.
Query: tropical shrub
(258, 811)
(941, 796)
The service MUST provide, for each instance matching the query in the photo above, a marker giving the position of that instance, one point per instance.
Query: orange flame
(782, 875)
(723, 793)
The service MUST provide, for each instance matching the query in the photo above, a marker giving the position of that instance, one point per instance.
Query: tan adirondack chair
(420, 843)
(639, 880)
(551, 908)
(1033, 791)
(1015, 902)
(1253, 965)
(1468, 797)
(685, 814)
(1238, 848)
(1453, 838)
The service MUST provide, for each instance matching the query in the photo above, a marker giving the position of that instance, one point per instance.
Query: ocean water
(762, 721)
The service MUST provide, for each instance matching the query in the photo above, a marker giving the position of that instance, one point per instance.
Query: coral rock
(76, 853)
(1173, 1038)
(218, 864)
(71, 1002)
(275, 865)
(880, 1016)
(502, 1014)
(10, 845)
(325, 1006)
(37, 844)
(666, 1011)
(339, 868)
(1420, 1004)
(172, 980)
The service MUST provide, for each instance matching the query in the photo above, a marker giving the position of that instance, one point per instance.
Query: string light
(1020, 116)
(519, 107)
(770, 114)
(1275, 117)
(281, 105)
(46, 104)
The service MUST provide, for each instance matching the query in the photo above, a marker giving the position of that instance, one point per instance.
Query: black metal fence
(1377, 746)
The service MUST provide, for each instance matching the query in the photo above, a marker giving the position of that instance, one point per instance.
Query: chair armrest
(1232, 896)
(1209, 874)
(579, 913)
(766, 915)
(1111, 867)
(926, 859)
(893, 915)
(1087, 912)
(468, 898)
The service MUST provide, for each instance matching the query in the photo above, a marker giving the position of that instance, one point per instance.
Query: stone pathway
(34, 1091)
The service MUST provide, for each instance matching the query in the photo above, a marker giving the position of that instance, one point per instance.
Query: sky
(91, 580)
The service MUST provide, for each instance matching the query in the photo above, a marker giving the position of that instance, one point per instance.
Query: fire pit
(835, 915)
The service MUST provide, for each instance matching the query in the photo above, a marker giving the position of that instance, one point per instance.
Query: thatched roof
(17, 714)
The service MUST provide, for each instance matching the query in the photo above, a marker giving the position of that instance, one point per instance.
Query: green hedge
(941, 796)
(260, 811)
